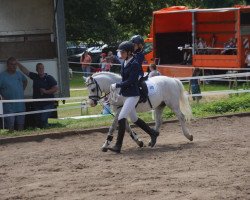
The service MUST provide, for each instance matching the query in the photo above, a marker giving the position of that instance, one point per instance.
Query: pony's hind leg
(158, 117)
(181, 119)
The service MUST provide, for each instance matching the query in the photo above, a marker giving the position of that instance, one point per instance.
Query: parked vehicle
(75, 50)
(95, 53)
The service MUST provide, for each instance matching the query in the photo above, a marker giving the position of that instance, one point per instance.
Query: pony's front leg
(133, 135)
(112, 128)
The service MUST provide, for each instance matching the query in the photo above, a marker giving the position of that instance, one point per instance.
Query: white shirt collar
(127, 61)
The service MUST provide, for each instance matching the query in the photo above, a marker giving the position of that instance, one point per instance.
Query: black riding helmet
(137, 39)
(126, 46)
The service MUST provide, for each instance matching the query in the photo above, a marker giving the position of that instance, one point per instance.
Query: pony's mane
(106, 73)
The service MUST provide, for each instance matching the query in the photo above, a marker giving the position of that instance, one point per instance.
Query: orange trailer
(179, 26)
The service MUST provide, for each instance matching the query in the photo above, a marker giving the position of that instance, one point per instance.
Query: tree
(110, 21)
(221, 3)
(89, 21)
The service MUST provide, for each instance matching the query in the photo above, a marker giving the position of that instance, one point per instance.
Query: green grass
(227, 105)
(77, 81)
(214, 86)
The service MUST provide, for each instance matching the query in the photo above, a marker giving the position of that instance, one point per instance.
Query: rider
(130, 72)
(138, 43)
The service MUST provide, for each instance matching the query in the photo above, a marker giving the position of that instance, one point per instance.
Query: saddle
(143, 89)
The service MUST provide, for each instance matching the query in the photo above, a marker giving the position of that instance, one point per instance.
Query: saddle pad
(151, 88)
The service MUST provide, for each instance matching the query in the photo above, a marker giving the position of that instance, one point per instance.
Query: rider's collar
(127, 61)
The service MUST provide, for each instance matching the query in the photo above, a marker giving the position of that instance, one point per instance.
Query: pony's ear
(91, 78)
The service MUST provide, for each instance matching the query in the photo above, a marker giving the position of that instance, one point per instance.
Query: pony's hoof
(140, 144)
(191, 138)
(153, 140)
(104, 149)
(116, 149)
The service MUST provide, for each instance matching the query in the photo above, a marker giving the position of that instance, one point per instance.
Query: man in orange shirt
(85, 61)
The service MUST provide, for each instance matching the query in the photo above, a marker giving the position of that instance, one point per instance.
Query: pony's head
(98, 85)
(93, 90)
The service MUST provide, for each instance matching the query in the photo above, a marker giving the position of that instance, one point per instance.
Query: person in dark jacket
(194, 85)
(138, 43)
(44, 86)
(130, 72)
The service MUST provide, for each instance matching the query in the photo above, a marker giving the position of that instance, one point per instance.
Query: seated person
(187, 54)
(153, 71)
(211, 47)
(228, 47)
(201, 46)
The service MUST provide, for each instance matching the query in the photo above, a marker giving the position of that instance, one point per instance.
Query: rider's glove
(113, 87)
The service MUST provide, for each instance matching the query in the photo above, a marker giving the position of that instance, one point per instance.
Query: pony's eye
(93, 89)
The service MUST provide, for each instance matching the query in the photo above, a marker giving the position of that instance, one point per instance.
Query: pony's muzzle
(92, 102)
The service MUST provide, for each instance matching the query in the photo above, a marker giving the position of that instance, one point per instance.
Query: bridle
(96, 97)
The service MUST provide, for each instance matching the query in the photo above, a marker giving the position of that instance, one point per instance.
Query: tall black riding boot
(153, 134)
(121, 131)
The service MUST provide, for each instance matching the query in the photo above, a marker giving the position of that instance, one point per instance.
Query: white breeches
(128, 109)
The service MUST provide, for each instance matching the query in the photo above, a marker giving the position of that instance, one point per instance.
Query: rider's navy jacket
(139, 56)
(130, 74)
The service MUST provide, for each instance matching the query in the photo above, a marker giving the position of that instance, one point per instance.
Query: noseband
(96, 97)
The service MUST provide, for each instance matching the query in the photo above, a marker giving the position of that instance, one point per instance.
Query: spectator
(70, 73)
(232, 83)
(108, 64)
(106, 107)
(115, 63)
(12, 86)
(194, 85)
(44, 86)
(229, 47)
(187, 54)
(201, 46)
(103, 61)
(153, 71)
(85, 61)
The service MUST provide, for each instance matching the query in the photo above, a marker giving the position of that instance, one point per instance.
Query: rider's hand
(113, 87)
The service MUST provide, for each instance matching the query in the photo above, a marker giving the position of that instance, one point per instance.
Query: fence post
(1, 110)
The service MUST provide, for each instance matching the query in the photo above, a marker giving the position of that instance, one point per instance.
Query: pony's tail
(184, 103)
